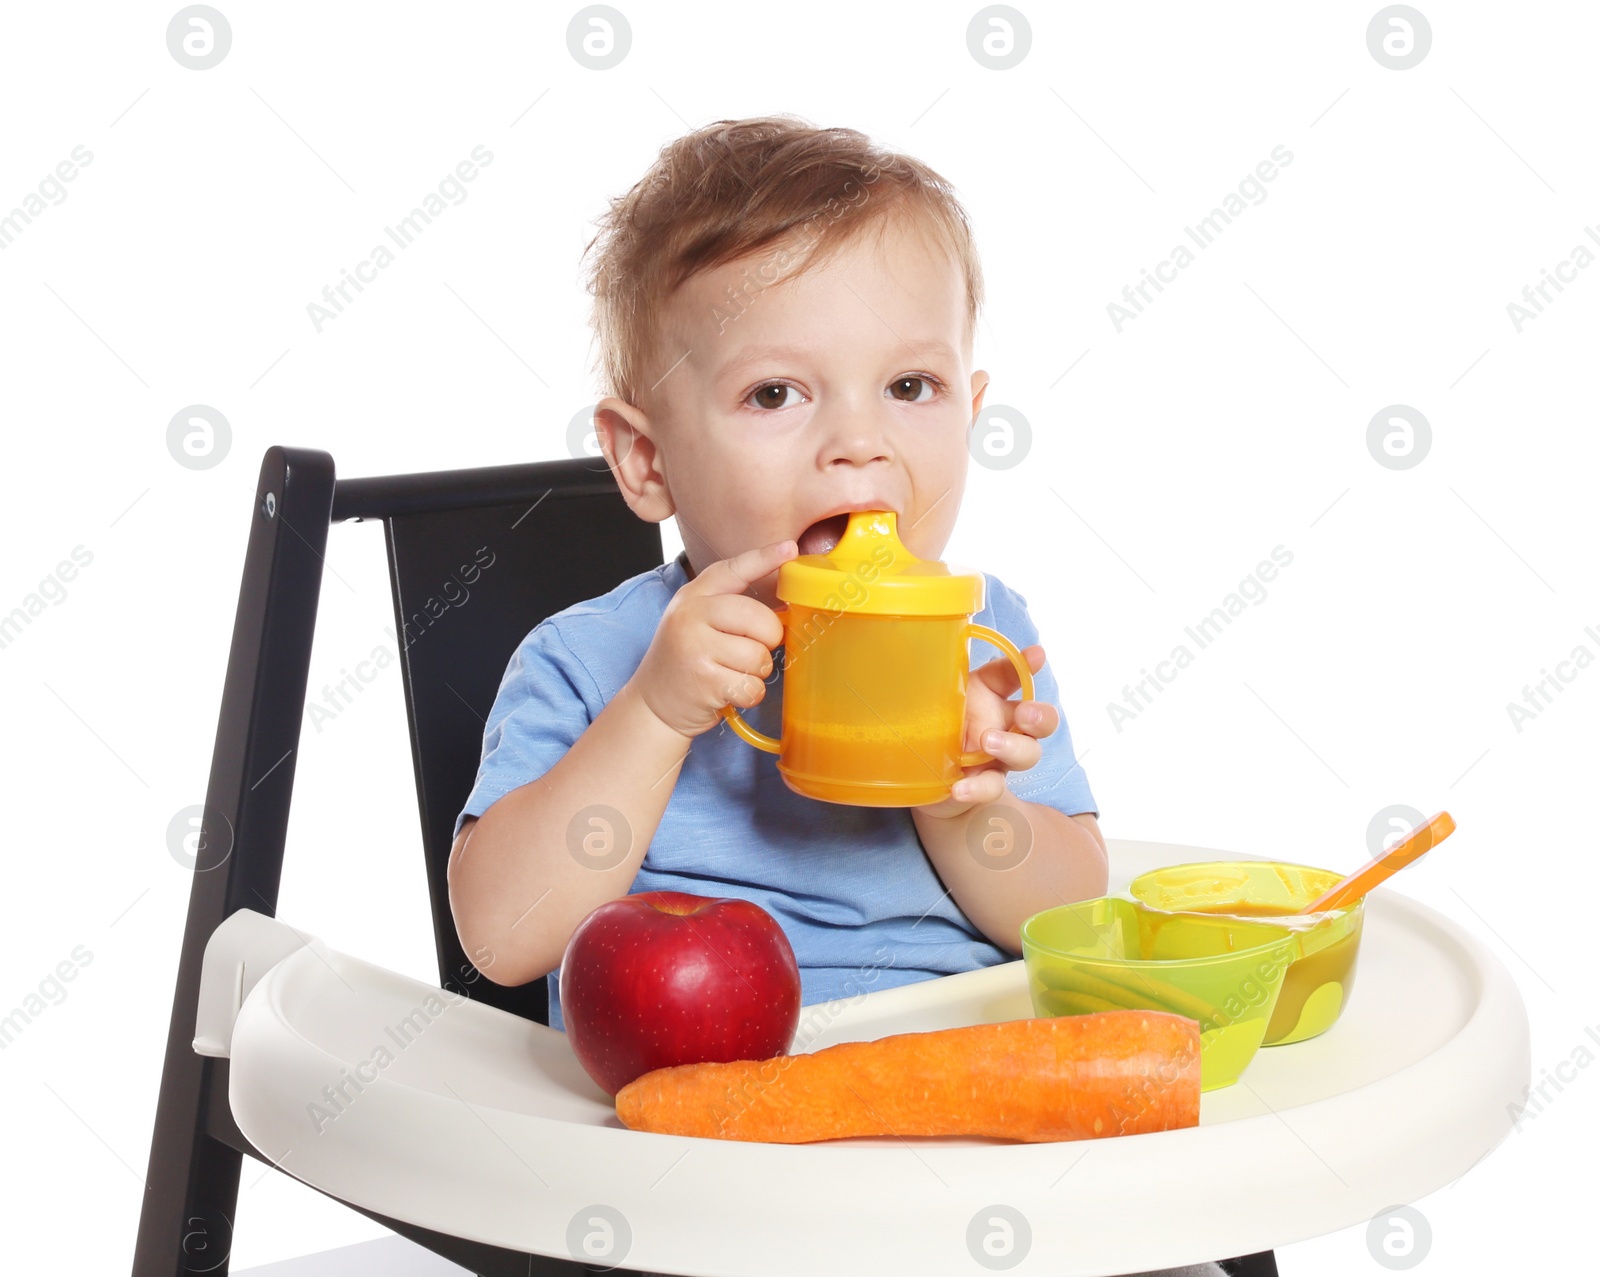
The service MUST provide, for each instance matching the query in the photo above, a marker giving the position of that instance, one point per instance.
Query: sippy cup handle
(1024, 675)
(743, 729)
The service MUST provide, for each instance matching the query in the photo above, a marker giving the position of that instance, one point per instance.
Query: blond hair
(733, 188)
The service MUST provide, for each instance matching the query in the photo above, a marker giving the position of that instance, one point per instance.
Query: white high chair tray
(482, 1124)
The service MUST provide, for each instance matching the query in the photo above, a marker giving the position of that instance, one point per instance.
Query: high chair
(480, 1138)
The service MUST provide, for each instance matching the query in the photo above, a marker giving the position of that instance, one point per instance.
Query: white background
(1229, 418)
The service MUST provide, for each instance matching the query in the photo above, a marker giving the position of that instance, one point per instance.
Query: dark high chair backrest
(477, 558)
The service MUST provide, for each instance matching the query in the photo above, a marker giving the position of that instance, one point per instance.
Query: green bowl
(1317, 986)
(1111, 953)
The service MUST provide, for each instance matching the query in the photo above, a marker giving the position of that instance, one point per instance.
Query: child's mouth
(823, 535)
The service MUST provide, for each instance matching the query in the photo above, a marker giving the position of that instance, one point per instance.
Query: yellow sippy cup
(875, 671)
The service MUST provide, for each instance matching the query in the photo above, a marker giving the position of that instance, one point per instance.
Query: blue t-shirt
(852, 887)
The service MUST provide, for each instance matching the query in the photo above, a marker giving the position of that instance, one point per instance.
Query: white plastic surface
(238, 953)
(479, 1123)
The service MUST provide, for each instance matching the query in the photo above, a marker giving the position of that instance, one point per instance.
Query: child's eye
(909, 389)
(770, 395)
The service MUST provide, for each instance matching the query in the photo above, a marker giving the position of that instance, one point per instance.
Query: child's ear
(627, 440)
(980, 387)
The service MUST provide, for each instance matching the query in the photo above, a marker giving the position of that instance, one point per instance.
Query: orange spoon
(1417, 843)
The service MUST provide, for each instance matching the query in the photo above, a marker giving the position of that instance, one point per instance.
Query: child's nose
(855, 433)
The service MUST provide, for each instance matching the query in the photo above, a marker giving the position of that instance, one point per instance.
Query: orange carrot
(1069, 1077)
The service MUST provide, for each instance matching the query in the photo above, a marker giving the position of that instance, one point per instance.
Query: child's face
(847, 387)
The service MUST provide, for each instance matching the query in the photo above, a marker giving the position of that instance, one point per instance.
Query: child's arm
(1066, 861)
(1002, 858)
(518, 881)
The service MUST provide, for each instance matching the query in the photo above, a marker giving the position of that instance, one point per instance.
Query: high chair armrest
(239, 953)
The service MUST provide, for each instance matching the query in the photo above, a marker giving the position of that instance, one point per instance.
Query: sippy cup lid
(871, 572)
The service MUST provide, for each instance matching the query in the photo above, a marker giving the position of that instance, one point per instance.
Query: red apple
(665, 977)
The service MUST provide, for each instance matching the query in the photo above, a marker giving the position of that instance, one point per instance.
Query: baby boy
(785, 319)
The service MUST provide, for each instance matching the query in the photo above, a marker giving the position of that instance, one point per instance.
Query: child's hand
(713, 645)
(1021, 725)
